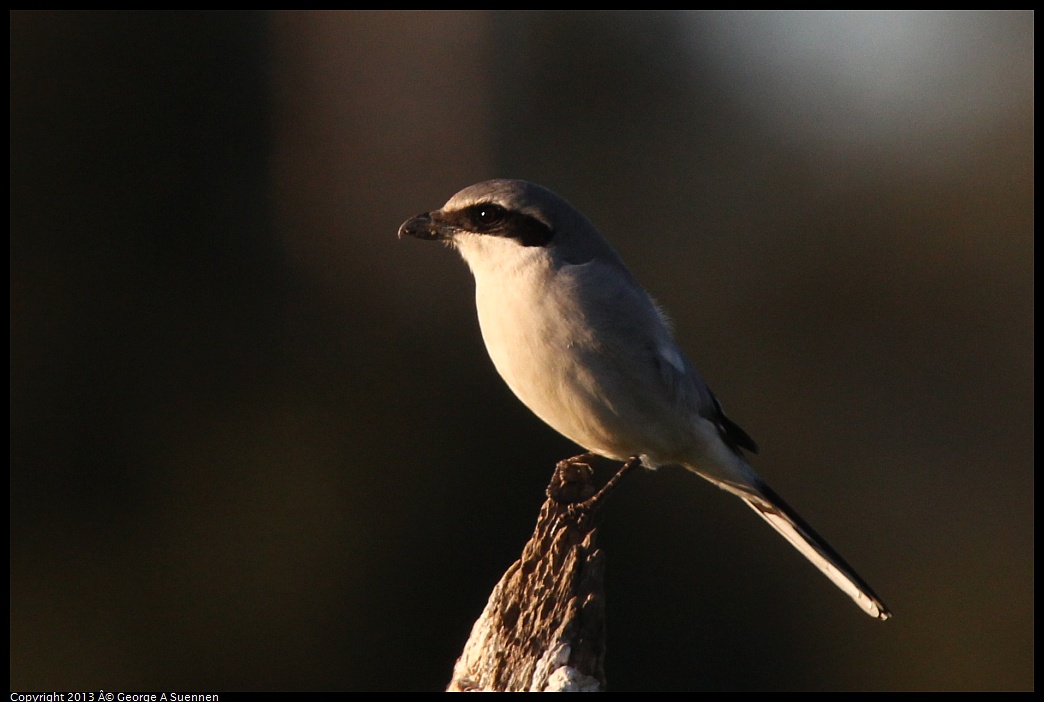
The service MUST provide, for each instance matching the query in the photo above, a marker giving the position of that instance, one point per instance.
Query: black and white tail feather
(774, 510)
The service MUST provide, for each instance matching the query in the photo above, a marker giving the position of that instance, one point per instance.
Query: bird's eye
(488, 215)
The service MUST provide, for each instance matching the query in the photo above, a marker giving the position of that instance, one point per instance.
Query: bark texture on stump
(543, 628)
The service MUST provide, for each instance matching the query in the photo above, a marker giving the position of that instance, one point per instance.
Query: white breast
(559, 353)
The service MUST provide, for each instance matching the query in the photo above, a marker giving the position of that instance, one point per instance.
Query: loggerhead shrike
(580, 342)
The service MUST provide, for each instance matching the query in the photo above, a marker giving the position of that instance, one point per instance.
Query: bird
(588, 351)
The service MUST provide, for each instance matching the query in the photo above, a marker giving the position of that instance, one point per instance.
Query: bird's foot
(572, 480)
(587, 502)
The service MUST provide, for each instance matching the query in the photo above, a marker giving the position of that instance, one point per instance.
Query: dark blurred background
(256, 442)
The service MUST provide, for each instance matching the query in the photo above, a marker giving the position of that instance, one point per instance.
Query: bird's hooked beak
(428, 226)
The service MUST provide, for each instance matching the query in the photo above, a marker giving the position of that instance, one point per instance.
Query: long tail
(804, 538)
